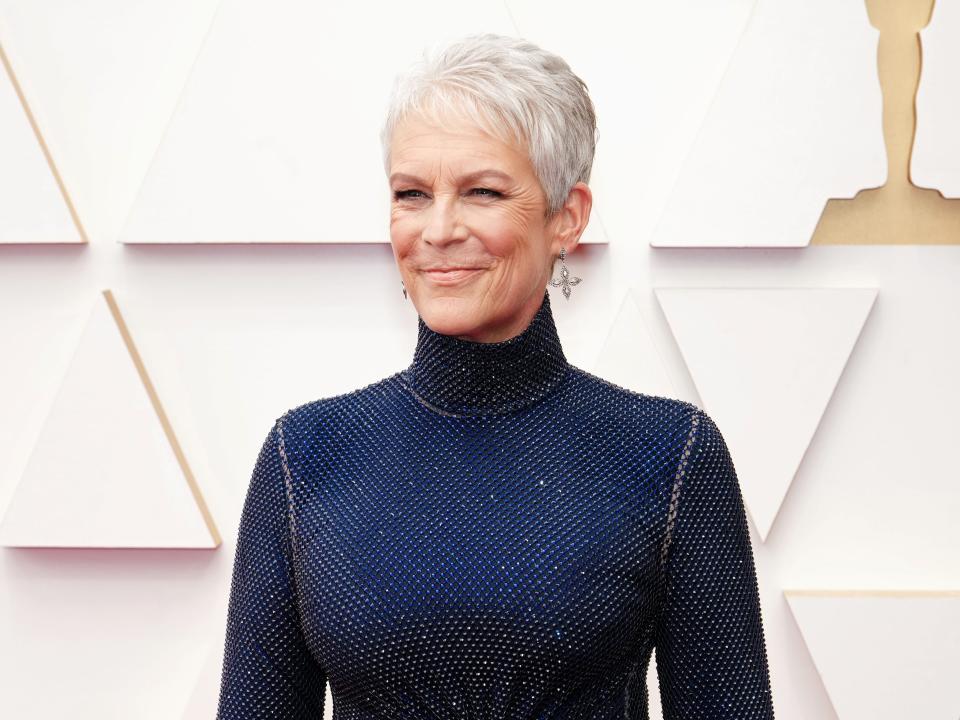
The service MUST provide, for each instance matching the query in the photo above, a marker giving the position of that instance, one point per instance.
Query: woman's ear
(569, 222)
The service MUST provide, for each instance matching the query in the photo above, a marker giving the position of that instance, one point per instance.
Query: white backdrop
(215, 165)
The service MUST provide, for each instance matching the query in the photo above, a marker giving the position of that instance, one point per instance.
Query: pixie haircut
(514, 91)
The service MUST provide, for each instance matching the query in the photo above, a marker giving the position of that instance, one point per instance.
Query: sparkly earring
(565, 281)
(404, 290)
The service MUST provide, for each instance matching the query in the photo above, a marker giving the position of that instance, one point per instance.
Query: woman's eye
(486, 192)
(404, 194)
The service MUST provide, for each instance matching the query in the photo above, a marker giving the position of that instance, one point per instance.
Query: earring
(565, 281)
(404, 290)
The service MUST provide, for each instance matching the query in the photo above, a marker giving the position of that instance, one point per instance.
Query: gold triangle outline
(162, 417)
(44, 148)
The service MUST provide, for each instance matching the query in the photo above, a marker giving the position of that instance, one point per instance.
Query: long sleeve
(268, 671)
(710, 650)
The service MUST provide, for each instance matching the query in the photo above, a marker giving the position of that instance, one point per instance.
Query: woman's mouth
(450, 276)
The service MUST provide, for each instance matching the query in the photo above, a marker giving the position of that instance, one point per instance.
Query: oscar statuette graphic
(898, 212)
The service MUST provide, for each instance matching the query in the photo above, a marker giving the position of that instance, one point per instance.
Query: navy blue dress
(494, 533)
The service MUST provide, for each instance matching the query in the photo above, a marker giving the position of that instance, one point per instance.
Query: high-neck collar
(465, 377)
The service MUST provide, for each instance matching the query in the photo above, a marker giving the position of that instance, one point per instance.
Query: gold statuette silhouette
(899, 212)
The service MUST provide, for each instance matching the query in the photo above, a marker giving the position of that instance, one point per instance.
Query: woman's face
(469, 230)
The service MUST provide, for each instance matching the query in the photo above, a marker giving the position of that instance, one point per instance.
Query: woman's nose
(442, 221)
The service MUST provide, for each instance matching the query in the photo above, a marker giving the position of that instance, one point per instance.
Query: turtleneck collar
(463, 377)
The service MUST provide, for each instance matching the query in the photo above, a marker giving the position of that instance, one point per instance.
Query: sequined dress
(493, 533)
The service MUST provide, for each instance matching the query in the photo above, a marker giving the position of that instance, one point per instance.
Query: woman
(492, 532)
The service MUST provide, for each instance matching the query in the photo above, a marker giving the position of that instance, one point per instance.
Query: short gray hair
(515, 91)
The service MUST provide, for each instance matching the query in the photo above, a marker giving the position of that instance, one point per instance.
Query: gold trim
(164, 421)
(48, 156)
(898, 212)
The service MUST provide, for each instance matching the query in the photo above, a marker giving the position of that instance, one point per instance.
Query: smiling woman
(492, 532)
(471, 229)
(497, 138)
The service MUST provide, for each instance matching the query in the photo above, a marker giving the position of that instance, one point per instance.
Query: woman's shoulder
(344, 406)
(620, 400)
(651, 431)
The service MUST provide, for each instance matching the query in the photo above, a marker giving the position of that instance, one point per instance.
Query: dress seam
(291, 521)
(678, 479)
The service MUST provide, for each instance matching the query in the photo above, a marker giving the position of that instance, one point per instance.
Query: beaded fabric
(493, 533)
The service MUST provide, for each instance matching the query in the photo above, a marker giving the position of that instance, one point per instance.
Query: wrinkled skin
(449, 210)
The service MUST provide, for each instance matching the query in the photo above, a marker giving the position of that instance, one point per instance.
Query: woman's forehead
(465, 148)
(460, 169)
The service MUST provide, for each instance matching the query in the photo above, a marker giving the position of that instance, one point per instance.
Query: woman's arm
(711, 656)
(268, 670)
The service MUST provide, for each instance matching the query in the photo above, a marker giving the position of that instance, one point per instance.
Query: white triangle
(884, 655)
(645, 124)
(282, 144)
(765, 362)
(34, 209)
(102, 80)
(796, 121)
(629, 357)
(103, 472)
(935, 160)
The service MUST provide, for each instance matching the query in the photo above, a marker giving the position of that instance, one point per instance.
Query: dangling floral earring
(565, 281)
(404, 290)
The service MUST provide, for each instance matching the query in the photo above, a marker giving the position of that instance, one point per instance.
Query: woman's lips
(450, 277)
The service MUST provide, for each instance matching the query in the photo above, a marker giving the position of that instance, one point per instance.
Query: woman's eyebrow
(469, 177)
(403, 177)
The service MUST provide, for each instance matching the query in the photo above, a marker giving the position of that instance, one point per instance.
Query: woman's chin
(450, 311)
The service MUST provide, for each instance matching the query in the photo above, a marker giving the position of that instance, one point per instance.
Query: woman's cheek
(403, 229)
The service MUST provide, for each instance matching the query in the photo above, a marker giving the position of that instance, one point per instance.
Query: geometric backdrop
(907, 643)
(765, 363)
(107, 470)
(229, 147)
